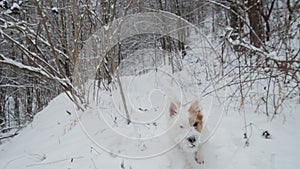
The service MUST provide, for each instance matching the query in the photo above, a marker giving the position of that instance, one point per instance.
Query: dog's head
(188, 125)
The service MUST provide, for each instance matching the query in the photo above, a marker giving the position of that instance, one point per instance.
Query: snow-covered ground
(101, 138)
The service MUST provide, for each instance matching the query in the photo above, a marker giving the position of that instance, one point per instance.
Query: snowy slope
(100, 137)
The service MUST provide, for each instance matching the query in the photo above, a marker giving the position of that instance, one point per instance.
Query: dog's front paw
(197, 159)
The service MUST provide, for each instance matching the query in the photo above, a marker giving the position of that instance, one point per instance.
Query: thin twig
(53, 162)
(123, 99)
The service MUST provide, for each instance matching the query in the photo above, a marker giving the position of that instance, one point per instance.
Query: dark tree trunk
(266, 16)
(29, 103)
(256, 34)
(17, 110)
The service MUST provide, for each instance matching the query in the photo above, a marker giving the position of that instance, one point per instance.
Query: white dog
(186, 127)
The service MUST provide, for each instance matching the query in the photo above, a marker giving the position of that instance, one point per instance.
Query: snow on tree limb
(19, 65)
(64, 82)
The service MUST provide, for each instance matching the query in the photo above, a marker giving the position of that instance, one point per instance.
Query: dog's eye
(195, 124)
(181, 126)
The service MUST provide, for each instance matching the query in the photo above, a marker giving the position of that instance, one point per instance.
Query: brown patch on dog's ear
(194, 109)
(200, 122)
(196, 115)
(200, 119)
(172, 109)
(197, 123)
(199, 116)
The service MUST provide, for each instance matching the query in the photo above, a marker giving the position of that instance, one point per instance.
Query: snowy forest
(41, 41)
(255, 46)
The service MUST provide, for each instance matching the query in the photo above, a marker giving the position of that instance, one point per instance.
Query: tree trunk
(235, 19)
(29, 103)
(17, 109)
(256, 34)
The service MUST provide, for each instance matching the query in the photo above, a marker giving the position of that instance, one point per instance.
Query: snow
(8, 11)
(3, 3)
(106, 27)
(100, 138)
(15, 6)
(55, 9)
(63, 137)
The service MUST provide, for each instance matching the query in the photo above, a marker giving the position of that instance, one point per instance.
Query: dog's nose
(191, 139)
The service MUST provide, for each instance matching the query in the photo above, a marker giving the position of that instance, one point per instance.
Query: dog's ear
(195, 109)
(172, 109)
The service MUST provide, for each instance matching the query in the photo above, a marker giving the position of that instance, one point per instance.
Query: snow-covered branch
(19, 65)
(64, 82)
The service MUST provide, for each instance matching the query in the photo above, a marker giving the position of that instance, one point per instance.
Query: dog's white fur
(186, 126)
